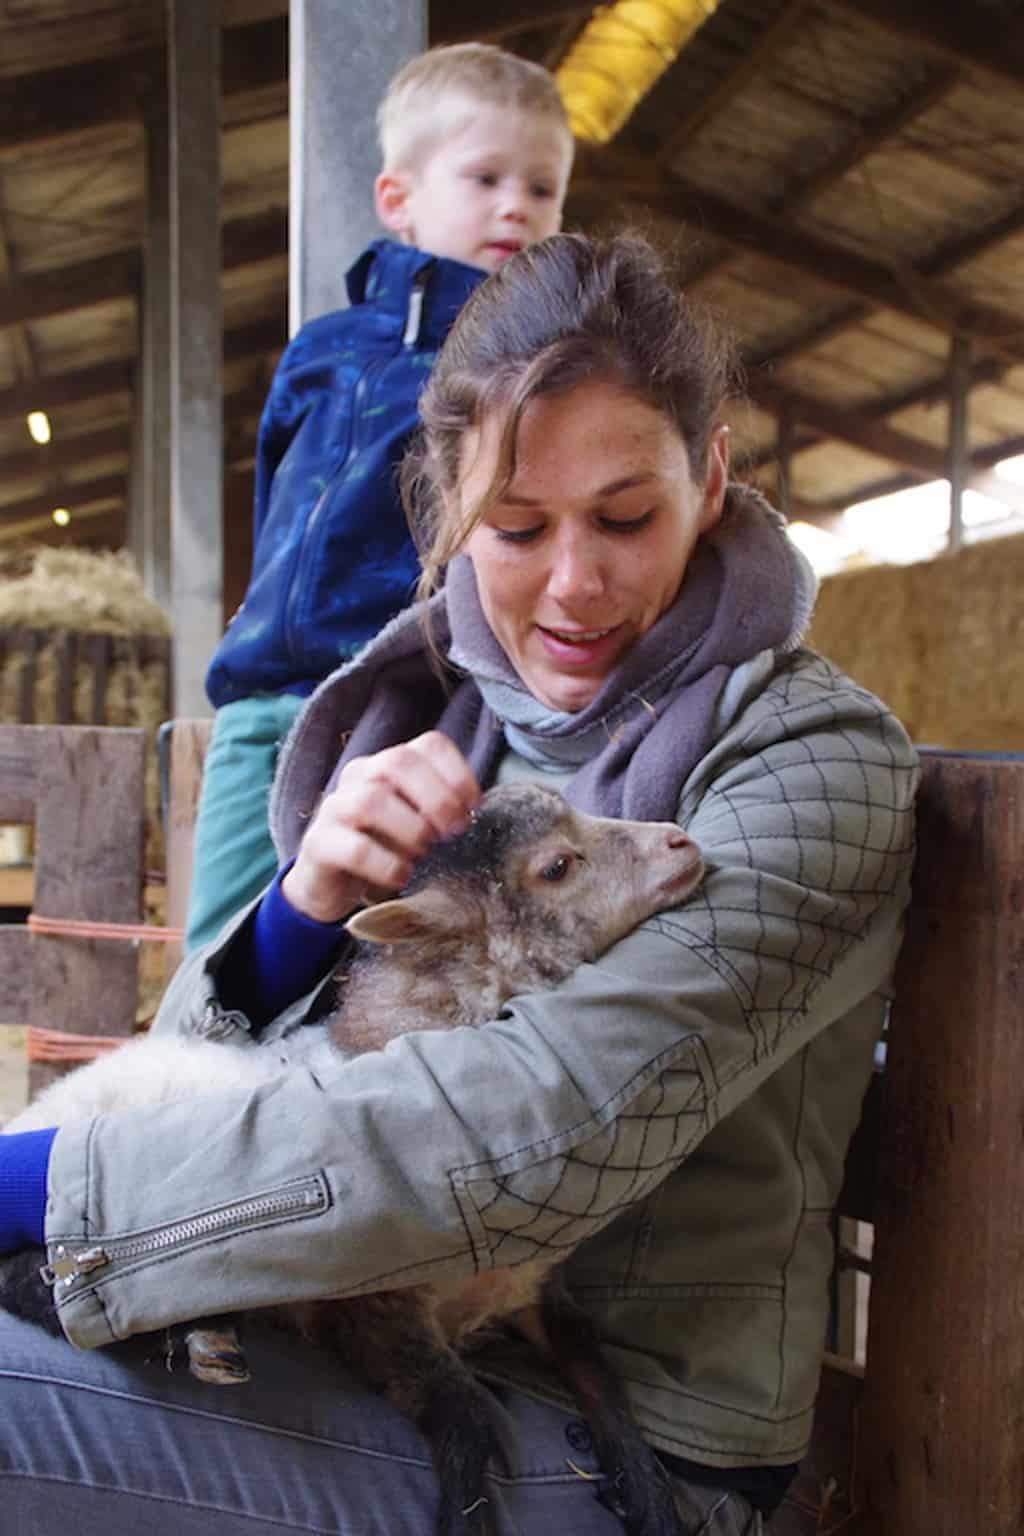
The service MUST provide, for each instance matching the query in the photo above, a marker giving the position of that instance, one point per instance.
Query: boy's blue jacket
(333, 558)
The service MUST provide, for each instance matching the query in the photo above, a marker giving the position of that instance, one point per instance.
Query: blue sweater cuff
(290, 953)
(24, 1162)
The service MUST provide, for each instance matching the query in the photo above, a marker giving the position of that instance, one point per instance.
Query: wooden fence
(83, 788)
(928, 1439)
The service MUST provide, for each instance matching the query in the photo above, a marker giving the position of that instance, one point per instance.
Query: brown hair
(567, 311)
(411, 120)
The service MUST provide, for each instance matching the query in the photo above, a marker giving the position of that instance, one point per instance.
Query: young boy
(476, 151)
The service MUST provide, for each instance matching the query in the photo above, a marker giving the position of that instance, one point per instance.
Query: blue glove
(24, 1161)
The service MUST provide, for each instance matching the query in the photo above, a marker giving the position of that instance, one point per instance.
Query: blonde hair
(411, 119)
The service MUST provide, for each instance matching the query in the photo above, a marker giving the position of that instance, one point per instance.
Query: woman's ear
(717, 478)
(391, 199)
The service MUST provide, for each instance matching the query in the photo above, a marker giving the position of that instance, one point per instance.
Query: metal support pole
(197, 537)
(151, 460)
(342, 57)
(959, 460)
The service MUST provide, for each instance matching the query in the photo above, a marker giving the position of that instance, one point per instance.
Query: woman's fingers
(383, 815)
(429, 774)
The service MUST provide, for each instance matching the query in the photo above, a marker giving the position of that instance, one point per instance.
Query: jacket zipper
(73, 1262)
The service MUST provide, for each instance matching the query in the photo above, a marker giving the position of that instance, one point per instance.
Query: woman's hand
(383, 815)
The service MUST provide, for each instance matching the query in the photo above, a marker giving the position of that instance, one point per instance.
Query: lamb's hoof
(215, 1356)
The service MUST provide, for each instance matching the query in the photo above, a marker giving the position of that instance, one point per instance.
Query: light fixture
(61, 516)
(38, 424)
(623, 49)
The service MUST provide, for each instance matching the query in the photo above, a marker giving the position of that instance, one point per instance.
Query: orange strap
(81, 928)
(60, 1045)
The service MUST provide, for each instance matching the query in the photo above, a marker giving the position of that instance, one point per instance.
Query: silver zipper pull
(69, 1264)
(412, 321)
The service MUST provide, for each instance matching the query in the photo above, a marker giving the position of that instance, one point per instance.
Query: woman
(620, 621)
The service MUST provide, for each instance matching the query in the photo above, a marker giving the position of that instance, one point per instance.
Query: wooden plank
(89, 839)
(189, 740)
(16, 885)
(17, 773)
(15, 976)
(941, 1447)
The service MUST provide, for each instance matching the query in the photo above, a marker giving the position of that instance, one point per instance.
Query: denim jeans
(109, 1443)
(233, 855)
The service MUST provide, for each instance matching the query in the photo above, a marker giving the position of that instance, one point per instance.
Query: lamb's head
(533, 888)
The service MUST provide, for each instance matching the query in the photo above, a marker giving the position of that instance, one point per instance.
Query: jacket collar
(388, 274)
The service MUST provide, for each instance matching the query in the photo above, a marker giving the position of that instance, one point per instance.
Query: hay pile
(941, 641)
(83, 590)
(67, 597)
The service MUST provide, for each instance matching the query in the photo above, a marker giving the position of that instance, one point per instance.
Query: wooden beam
(907, 293)
(463, 21)
(847, 426)
(750, 65)
(943, 260)
(99, 280)
(106, 488)
(67, 453)
(49, 104)
(962, 34)
(71, 454)
(862, 427)
(874, 132)
(51, 391)
(117, 276)
(93, 527)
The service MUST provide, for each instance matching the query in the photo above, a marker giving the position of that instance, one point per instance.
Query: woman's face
(587, 547)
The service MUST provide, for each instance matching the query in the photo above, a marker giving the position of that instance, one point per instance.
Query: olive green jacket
(675, 1116)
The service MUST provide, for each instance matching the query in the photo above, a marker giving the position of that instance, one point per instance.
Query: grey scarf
(746, 590)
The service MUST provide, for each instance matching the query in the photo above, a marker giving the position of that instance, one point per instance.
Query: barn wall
(942, 642)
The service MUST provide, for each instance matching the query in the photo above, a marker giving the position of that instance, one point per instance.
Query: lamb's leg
(637, 1487)
(215, 1352)
(392, 1340)
(211, 1346)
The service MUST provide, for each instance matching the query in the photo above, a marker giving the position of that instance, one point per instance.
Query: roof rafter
(963, 34)
(909, 292)
(104, 91)
(775, 35)
(103, 279)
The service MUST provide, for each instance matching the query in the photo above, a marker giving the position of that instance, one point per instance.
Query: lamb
(529, 891)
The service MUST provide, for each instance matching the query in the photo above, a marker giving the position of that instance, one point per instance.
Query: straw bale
(941, 641)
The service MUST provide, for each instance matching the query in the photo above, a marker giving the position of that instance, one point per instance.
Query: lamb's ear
(429, 914)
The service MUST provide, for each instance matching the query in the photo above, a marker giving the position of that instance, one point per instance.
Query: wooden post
(189, 740)
(941, 1446)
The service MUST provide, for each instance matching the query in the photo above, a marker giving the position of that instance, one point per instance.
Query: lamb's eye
(557, 869)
